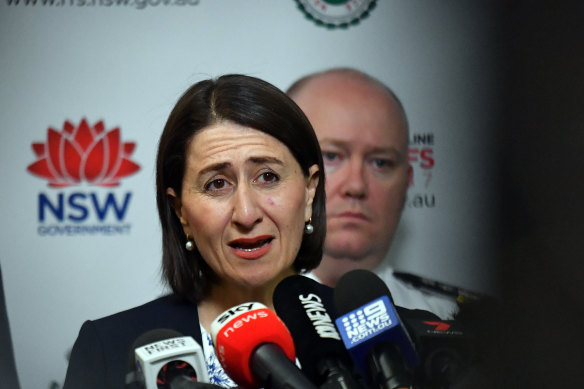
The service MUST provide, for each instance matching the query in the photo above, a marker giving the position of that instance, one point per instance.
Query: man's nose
(354, 181)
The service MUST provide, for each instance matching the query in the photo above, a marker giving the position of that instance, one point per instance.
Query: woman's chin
(260, 279)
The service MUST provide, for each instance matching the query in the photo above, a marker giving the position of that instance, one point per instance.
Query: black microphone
(164, 359)
(372, 330)
(445, 347)
(299, 302)
(184, 382)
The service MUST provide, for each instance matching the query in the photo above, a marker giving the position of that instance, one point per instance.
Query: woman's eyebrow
(214, 167)
(224, 165)
(260, 160)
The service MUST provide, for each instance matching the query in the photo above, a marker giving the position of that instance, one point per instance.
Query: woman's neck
(224, 296)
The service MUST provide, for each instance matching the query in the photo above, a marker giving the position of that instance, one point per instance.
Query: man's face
(363, 139)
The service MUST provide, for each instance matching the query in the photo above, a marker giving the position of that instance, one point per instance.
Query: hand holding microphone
(256, 349)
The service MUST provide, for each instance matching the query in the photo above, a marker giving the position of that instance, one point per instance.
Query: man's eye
(382, 163)
(330, 156)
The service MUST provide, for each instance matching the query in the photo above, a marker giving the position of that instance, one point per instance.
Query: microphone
(320, 350)
(372, 330)
(164, 359)
(444, 346)
(256, 349)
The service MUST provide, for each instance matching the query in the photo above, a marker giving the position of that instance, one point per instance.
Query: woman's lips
(251, 248)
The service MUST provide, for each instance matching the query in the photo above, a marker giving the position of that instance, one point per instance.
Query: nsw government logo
(336, 13)
(83, 165)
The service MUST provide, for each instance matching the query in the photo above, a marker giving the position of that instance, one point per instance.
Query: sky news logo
(83, 155)
(365, 322)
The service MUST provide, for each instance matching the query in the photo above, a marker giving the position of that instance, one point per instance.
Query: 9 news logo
(83, 155)
(365, 322)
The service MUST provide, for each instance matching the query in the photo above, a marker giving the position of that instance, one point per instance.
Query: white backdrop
(127, 66)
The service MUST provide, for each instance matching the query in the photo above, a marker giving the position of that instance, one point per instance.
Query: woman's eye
(269, 177)
(216, 185)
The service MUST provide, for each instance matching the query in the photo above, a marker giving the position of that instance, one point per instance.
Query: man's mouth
(352, 215)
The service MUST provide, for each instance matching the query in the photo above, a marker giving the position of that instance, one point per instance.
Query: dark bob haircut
(250, 102)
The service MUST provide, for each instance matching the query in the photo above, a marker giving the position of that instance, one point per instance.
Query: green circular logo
(336, 13)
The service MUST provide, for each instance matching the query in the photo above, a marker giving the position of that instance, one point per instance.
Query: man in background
(363, 132)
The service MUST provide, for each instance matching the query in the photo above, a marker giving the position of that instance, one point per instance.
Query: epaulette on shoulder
(461, 295)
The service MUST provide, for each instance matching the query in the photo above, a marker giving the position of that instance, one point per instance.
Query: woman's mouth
(251, 248)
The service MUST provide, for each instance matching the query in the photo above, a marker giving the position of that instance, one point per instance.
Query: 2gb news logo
(367, 321)
(77, 158)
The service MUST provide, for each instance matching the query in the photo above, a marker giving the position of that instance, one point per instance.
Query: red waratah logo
(83, 153)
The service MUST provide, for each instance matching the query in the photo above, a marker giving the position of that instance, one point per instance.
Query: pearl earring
(308, 227)
(190, 244)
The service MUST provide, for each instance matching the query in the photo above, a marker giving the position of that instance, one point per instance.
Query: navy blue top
(100, 355)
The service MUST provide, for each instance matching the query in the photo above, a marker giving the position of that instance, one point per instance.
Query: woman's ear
(311, 184)
(178, 209)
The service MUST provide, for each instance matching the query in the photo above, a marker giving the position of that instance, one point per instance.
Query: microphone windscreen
(237, 333)
(299, 302)
(159, 356)
(356, 288)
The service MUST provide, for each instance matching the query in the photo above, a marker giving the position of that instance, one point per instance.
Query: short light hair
(351, 73)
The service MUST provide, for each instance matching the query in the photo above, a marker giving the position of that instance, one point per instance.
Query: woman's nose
(246, 210)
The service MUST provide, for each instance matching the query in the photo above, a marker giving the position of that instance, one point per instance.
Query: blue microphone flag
(372, 323)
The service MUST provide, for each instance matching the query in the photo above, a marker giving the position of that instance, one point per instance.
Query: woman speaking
(240, 194)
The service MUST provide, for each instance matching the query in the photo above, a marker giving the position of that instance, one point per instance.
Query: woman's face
(245, 202)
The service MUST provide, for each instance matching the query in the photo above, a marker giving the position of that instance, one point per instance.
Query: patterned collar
(217, 375)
